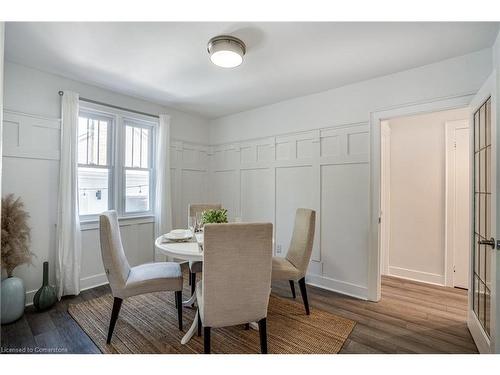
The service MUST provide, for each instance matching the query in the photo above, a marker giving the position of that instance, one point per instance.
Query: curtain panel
(68, 248)
(163, 194)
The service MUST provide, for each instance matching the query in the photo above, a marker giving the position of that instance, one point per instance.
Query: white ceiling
(168, 63)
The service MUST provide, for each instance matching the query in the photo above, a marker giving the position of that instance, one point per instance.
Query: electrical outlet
(278, 249)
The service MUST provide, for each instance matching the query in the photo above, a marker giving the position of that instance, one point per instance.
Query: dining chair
(197, 267)
(236, 281)
(293, 267)
(126, 281)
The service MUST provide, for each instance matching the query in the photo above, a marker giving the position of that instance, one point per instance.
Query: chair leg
(190, 273)
(303, 291)
(292, 287)
(117, 304)
(206, 339)
(263, 336)
(178, 303)
(247, 326)
(199, 323)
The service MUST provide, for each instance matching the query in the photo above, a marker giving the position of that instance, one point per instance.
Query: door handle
(490, 242)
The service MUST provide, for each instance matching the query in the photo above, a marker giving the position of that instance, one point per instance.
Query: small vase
(13, 299)
(45, 297)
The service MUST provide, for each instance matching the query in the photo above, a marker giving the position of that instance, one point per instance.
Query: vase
(45, 297)
(13, 299)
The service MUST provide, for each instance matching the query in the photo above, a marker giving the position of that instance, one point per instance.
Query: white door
(483, 284)
(458, 192)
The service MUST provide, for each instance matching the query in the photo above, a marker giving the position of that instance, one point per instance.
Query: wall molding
(260, 168)
(415, 275)
(338, 286)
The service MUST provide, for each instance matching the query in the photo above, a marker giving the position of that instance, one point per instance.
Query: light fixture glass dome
(226, 51)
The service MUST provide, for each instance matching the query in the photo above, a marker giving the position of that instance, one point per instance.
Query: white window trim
(116, 141)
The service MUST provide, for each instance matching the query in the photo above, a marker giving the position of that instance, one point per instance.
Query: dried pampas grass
(15, 234)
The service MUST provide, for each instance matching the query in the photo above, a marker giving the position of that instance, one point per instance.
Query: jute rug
(148, 324)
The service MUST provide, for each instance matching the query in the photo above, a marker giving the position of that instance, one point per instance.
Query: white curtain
(163, 194)
(68, 250)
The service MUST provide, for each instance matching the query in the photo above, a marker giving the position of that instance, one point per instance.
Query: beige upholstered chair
(294, 266)
(236, 280)
(126, 281)
(196, 267)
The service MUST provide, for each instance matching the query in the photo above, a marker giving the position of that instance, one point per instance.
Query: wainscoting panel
(257, 195)
(344, 222)
(325, 169)
(293, 190)
(30, 136)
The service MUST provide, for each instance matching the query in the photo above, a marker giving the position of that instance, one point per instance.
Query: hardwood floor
(411, 318)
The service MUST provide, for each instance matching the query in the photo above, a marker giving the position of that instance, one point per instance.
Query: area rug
(148, 324)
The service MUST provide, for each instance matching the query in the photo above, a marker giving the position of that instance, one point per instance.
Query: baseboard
(426, 277)
(338, 286)
(85, 283)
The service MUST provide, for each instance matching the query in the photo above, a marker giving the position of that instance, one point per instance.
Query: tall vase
(45, 297)
(13, 299)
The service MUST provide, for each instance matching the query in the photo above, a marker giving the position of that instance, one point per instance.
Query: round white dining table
(188, 251)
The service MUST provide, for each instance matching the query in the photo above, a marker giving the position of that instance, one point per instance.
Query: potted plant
(15, 251)
(214, 216)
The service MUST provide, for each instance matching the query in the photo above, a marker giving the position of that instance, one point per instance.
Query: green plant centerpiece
(16, 238)
(214, 216)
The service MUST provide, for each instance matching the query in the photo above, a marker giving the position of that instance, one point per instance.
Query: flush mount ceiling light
(226, 51)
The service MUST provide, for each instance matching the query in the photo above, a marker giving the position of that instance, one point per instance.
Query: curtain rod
(113, 106)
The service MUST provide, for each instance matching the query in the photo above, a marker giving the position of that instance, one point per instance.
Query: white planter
(13, 299)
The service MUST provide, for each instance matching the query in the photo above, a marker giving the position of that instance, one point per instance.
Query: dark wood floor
(411, 318)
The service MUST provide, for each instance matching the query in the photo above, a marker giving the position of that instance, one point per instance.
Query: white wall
(323, 162)
(31, 167)
(417, 195)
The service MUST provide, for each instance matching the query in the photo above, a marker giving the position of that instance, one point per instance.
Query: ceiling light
(226, 51)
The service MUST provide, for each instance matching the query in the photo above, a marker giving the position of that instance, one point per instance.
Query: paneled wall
(327, 170)
(31, 146)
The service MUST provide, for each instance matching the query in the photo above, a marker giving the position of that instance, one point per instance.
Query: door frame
(450, 194)
(385, 197)
(374, 253)
(483, 343)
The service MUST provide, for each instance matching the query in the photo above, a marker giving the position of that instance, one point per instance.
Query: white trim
(338, 286)
(93, 281)
(415, 275)
(480, 338)
(476, 330)
(374, 276)
(123, 221)
(450, 197)
(385, 222)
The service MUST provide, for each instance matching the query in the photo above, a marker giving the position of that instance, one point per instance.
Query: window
(137, 168)
(115, 164)
(94, 166)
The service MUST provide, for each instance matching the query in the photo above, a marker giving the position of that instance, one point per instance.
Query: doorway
(424, 197)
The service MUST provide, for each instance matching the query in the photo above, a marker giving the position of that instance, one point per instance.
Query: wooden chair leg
(178, 303)
(206, 339)
(189, 279)
(303, 291)
(292, 287)
(117, 304)
(263, 336)
(199, 323)
(247, 326)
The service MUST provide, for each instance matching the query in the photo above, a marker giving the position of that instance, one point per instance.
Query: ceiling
(168, 63)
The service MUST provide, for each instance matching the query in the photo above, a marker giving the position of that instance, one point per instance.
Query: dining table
(189, 250)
